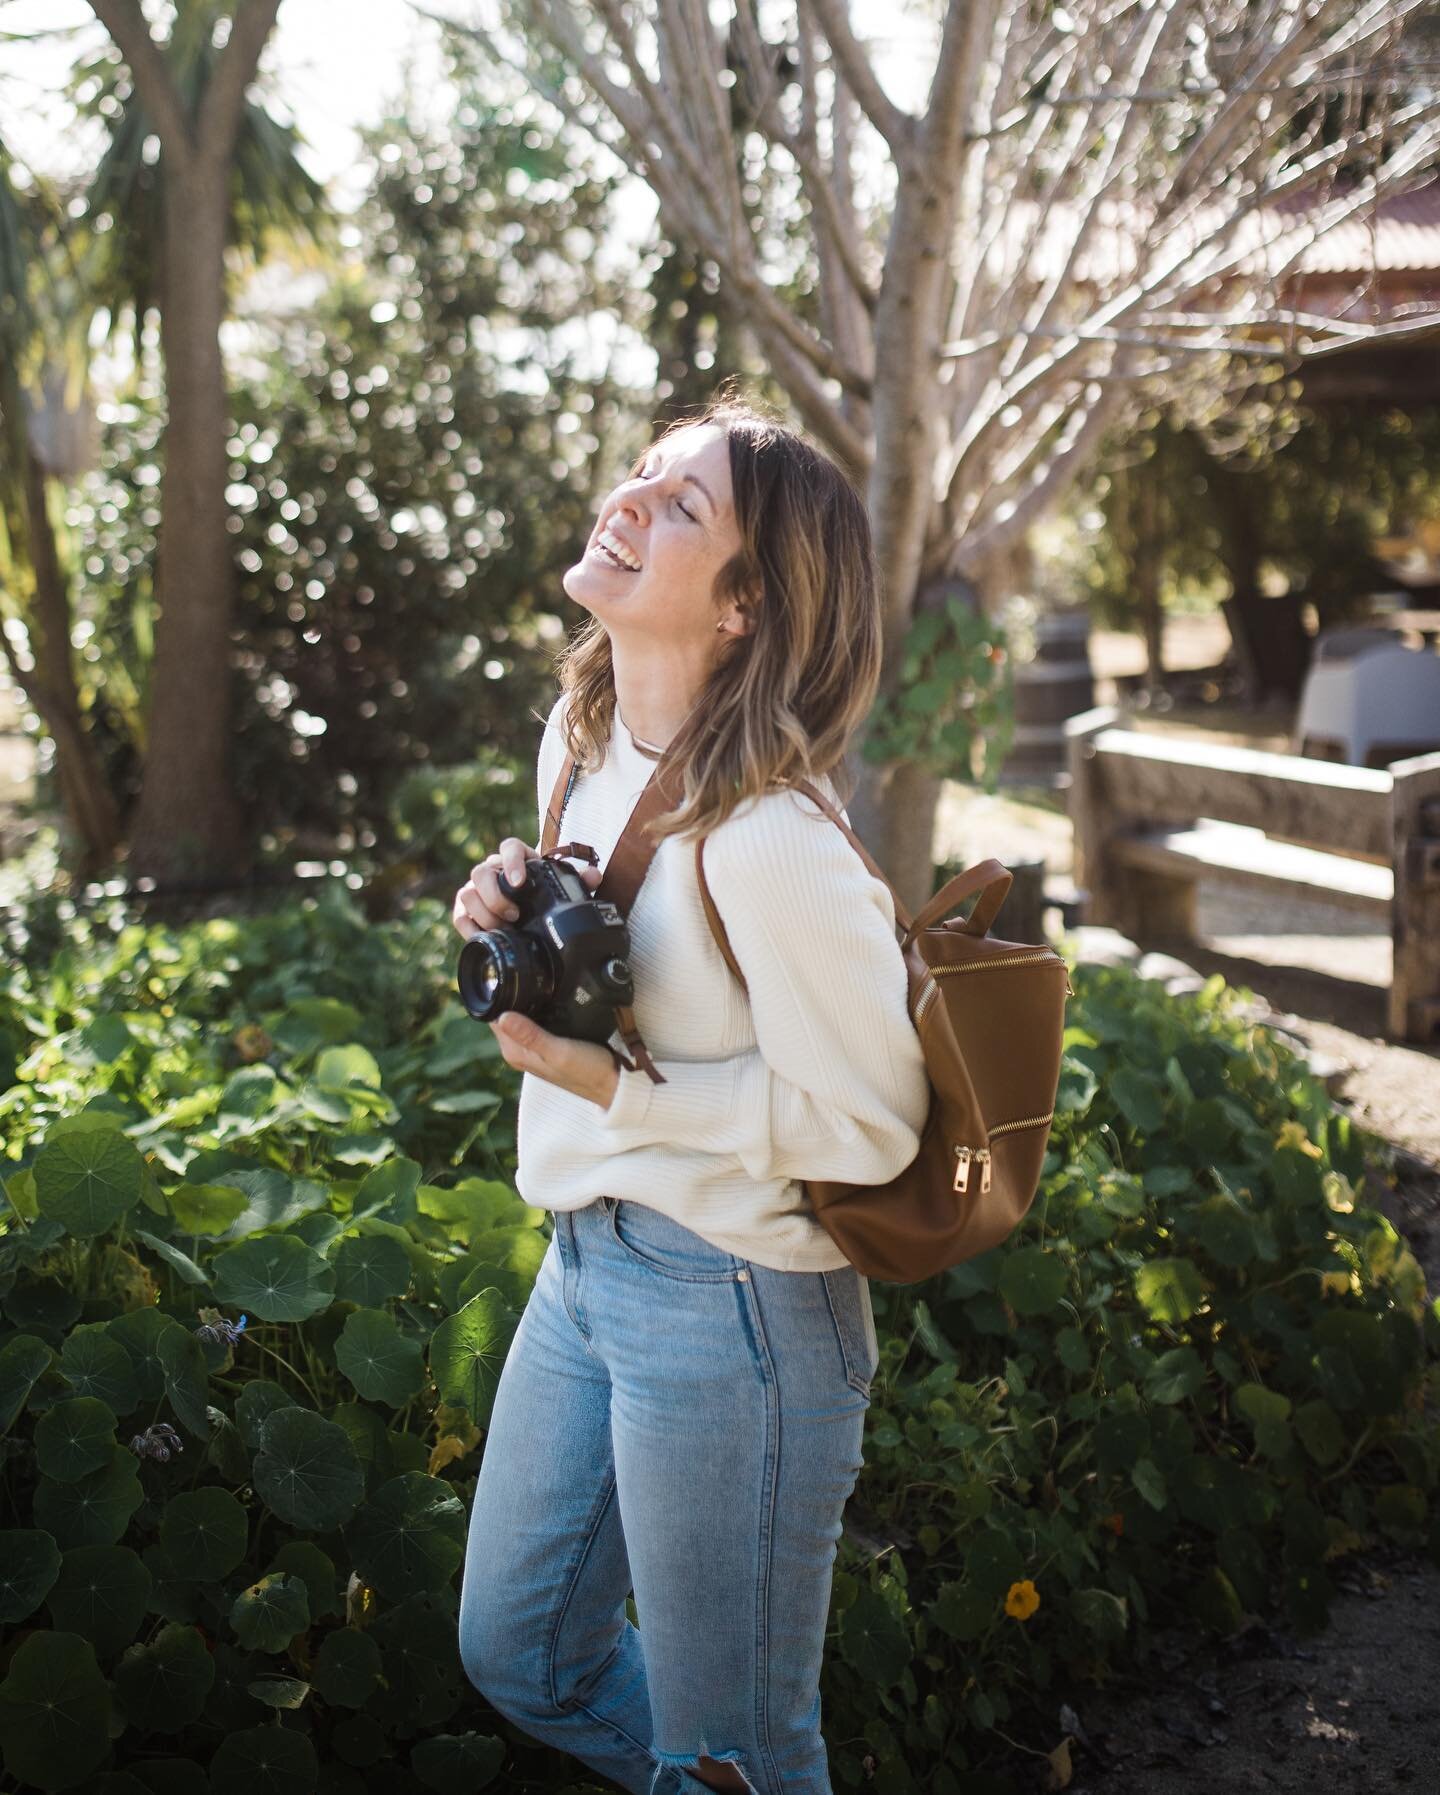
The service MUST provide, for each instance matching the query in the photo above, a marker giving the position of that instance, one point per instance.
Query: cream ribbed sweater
(819, 1074)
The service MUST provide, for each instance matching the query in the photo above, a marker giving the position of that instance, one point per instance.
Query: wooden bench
(1153, 814)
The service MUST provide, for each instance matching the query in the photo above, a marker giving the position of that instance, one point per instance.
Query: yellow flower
(1022, 1599)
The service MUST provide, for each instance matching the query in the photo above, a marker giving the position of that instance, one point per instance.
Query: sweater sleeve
(547, 765)
(835, 1086)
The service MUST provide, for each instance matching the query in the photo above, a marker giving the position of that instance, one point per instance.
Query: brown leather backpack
(990, 1016)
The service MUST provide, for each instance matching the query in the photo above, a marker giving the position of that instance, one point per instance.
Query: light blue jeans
(681, 1423)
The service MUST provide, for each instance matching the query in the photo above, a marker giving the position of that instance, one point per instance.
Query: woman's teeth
(616, 552)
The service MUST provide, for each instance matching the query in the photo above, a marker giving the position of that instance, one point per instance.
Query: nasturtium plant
(262, 1261)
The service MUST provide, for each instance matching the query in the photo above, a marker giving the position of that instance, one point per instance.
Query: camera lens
(488, 975)
(501, 970)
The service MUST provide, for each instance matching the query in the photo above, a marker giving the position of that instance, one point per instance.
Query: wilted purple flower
(157, 1441)
(222, 1330)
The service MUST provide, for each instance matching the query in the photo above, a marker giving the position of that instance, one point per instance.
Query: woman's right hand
(481, 905)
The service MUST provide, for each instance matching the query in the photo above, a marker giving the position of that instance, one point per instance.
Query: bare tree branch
(149, 71)
(223, 102)
(897, 127)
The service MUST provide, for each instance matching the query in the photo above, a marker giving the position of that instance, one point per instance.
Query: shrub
(262, 1261)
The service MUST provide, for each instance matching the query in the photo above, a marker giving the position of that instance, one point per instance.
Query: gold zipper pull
(1069, 988)
(963, 1157)
(983, 1155)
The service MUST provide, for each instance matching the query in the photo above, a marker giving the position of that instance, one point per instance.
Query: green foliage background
(1201, 1371)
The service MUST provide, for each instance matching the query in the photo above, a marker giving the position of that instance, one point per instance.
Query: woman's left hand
(584, 1067)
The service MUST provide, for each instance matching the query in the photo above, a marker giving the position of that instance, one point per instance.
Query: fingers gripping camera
(564, 962)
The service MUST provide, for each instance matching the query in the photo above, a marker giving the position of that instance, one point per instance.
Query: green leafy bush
(261, 1261)
(1194, 1377)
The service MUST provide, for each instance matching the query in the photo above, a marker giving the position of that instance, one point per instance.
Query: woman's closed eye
(644, 475)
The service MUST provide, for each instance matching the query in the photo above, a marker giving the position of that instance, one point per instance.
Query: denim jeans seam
(848, 1357)
(572, 1582)
(764, 1558)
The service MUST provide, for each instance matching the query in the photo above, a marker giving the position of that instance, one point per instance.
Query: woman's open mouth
(602, 549)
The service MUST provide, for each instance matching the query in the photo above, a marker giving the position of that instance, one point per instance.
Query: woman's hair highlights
(783, 702)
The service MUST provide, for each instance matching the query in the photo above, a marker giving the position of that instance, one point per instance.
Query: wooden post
(1414, 1013)
(1093, 890)
(1022, 915)
(1143, 905)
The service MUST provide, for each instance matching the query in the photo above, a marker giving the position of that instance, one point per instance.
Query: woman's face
(676, 520)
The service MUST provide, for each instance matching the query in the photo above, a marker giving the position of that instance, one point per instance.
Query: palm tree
(42, 355)
(226, 174)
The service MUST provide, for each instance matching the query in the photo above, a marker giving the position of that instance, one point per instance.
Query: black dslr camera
(564, 963)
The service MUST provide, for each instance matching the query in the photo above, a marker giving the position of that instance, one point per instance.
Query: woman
(681, 1410)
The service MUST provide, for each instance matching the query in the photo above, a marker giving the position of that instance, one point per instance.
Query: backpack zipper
(930, 988)
(965, 1155)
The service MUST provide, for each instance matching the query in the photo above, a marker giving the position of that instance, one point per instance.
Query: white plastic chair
(1387, 693)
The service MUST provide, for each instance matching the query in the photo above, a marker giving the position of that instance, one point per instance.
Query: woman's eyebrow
(693, 479)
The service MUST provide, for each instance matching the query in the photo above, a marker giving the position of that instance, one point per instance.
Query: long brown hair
(782, 703)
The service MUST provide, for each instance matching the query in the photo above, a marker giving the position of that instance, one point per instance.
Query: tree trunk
(89, 805)
(188, 824)
(893, 811)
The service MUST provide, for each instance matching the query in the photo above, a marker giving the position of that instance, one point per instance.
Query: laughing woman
(681, 1411)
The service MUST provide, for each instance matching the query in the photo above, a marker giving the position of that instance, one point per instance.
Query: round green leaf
(962, 1611)
(94, 1510)
(312, 1022)
(457, 1763)
(54, 1712)
(102, 1594)
(275, 1277)
(1176, 1374)
(140, 1332)
(1101, 1613)
(187, 1379)
(1319, 1429)
(351, 1064)
(264, 1760)
(302, 1558)
(22, 1359)
(993, 1563)
(98, 1365)
(347, 1668)
(279, 1692)
(306, 1470)
(74, 1438)
(422, 1670)
(873, 1641)
(250, 1091)
(254, 1406)
(29, 1564)
(163, 1684)
(1169, 1289)
(467, 1353)
(388, 1191)
(268, 1615)
(205, 1533)
(88, 1180)
(409, 1536)
(369, 1269)
(379, 1360)
(206, 1209)
(272, 1200)
(1033, 1281)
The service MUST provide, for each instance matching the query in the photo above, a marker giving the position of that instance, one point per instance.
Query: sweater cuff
(627, 1108)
